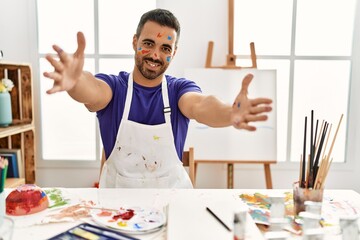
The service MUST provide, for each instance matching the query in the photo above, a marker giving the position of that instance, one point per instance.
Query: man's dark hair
(161, 16)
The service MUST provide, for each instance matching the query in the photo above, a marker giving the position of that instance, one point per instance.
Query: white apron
(144, 156)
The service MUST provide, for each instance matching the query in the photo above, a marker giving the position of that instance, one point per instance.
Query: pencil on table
(217, 218)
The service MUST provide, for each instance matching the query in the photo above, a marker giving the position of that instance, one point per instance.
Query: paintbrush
(310, 181)
(325, 166)
(317, 158)
(302, 169)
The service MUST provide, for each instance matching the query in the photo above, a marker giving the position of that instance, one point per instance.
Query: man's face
(154, 49)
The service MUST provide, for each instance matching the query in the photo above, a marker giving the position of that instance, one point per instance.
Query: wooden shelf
(21, 132)
(12, 130)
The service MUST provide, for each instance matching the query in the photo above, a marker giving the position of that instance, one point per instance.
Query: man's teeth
(152, 64)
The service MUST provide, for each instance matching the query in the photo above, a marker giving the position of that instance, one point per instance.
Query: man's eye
(147, 44)
(167, 50)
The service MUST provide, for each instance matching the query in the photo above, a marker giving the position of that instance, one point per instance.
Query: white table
(188, 218)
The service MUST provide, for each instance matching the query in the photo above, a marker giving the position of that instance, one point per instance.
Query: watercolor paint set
(89, 231)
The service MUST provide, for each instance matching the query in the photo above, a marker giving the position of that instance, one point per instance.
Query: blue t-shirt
(146, 107)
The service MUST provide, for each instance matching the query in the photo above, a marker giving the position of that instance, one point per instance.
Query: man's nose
(155, 53)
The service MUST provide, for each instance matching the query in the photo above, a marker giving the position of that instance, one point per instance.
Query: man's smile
(152, 64)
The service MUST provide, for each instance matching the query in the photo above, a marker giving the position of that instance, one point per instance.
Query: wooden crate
(21, 133)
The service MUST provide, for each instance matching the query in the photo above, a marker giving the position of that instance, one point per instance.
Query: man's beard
(151, 75)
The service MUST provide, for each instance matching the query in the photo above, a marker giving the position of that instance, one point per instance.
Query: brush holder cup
(301, 195)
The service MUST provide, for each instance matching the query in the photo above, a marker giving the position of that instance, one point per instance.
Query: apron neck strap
(165, 97)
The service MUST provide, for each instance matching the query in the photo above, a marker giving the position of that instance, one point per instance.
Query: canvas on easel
(225, 145)
(229, 143)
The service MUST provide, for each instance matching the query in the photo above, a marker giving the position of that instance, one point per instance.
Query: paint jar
(278, 224)
(301, 195)
(277, 208)
(313, 234)
(277, 235)
(349, 227)
(313, 207)
(240, 224)
(6, 228)
(310, 220)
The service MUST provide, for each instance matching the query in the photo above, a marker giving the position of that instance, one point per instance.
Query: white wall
(202, 21)
(15, 27)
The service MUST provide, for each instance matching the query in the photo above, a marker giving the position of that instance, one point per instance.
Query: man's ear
(134, 43)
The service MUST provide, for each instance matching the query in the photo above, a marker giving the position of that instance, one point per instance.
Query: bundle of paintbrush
(3, 172)
(315, 166)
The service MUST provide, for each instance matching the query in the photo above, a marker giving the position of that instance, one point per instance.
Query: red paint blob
(125, 216)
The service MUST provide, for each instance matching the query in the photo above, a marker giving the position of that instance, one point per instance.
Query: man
(144, 115)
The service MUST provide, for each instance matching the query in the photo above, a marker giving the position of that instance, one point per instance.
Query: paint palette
(135, 220)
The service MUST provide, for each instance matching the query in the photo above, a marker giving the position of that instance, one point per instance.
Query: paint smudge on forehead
(169, 37)
(159, 35)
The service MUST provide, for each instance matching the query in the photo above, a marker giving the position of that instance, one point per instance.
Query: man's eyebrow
(148, 40)
(167, 45)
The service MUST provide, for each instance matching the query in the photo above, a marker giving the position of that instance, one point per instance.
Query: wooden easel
(230, 58)
(230, 169)
(231, 64)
